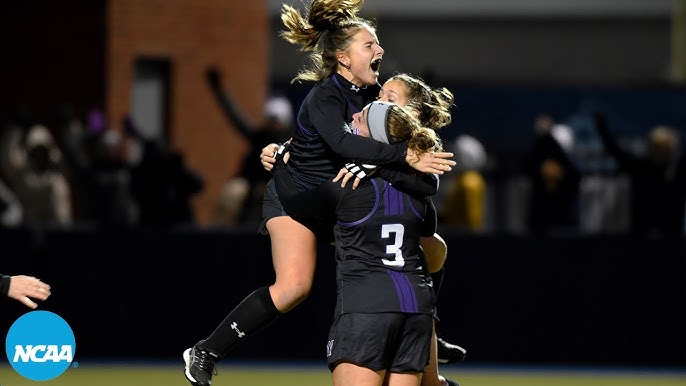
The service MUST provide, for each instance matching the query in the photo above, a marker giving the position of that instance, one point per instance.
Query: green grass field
(163, 375)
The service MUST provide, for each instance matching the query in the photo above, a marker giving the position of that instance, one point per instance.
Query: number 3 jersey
(380, 266)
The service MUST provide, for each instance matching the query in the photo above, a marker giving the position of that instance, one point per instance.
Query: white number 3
(394, 249)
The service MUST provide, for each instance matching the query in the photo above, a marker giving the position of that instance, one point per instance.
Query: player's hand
(268, 156)
(437, 163)
(282, 154)
(25, 288)
(344, 176)
(352, 169)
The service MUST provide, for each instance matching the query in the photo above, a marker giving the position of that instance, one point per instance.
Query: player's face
(394, 91)
(359, 124)
(364, 58)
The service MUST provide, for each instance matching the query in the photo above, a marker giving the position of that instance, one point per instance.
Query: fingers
(434, 170)
(40, 293)
(443, 155)
(36, 289)
(437, 163)
(267, 157)
(356, 183)
(347, 178)
(341, 174)
(443, 160)
(28, 302)
(267, 162)
(24, 288)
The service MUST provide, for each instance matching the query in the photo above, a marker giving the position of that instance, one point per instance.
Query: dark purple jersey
(322, 141)
(380, 265)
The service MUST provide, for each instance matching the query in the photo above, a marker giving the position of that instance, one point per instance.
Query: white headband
(376, 120)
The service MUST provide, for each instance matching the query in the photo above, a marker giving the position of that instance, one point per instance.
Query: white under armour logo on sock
(234, 326)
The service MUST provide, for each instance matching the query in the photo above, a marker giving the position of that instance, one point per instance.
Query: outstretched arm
(366, 150)
(625, 159)
(422, 184)
(24, 289)
(227, 104)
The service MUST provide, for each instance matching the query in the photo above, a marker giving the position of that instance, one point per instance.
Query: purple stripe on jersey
(352, 106)
(398, 289)
(394, 201)
(406, 295)
(412, 295)
(303, 129)
(365, 218)
(300, 125)
(414, 210)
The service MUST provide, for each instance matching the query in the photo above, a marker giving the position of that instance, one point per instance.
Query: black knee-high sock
(252, 314)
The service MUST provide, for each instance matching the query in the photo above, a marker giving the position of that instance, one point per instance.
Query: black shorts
(272, 207)
(391, 341)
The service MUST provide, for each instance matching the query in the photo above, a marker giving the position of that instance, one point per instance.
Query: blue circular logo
(40, 345)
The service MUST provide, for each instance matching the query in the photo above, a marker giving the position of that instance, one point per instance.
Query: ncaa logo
(40, 345)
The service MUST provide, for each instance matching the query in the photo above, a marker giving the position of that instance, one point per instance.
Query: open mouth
(376, 64)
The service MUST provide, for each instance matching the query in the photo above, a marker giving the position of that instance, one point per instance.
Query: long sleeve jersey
(4, 284)
(322, 141)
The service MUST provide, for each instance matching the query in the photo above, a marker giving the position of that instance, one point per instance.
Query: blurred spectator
(69, 132)
(11, 137)
(79, 142)
(554, 178)
(99, 171)
(658, 179)
(10, 209)
(110, 189)
(464, 204)
(604, 204)
(241, 197)
(163, 186)
(37, 180)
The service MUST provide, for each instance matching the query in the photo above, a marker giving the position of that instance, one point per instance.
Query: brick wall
(192, 35)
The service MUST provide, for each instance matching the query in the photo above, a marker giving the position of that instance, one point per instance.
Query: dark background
(604, 300)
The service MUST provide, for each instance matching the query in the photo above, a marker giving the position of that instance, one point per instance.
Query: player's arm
(24, 289)
(227, 104)
(422, 184)
(625, 158)
(347, 145)
(4, 284)
(435, 250)
(366, 150)
(433, 245)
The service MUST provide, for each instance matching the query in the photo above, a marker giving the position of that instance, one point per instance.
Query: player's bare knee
(288, 297)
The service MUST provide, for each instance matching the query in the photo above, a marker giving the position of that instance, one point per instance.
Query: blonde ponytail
(327, 30)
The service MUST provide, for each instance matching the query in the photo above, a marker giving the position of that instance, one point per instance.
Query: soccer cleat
(199, 366)
(450, 382)
(449, 353)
